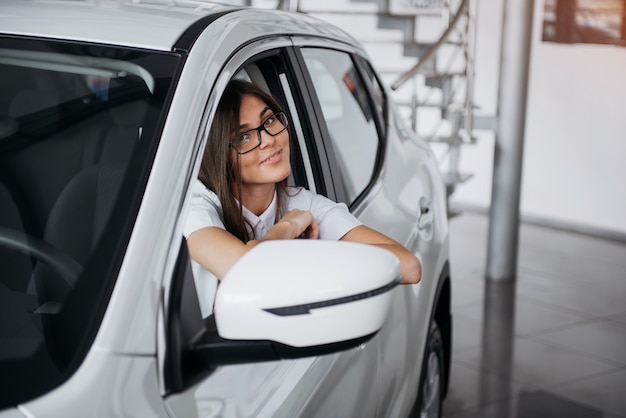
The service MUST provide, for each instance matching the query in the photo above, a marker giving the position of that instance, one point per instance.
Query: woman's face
(269, 163)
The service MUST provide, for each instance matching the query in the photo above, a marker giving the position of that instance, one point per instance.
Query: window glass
(76, 123)
(348, 114)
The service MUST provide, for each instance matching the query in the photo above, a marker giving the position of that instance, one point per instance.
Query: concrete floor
(550, 344)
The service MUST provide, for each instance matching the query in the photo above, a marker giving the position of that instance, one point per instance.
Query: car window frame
(178, 318)
(334, 173)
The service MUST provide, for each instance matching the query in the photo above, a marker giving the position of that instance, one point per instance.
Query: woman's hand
(295, 224)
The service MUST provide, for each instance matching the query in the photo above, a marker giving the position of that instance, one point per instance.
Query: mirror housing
(282, 300)
(306, 292)
(299, 298)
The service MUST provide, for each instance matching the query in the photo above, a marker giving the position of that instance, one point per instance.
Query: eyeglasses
(273, 125)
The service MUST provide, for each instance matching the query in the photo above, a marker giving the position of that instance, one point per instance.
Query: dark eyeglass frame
(282, 118)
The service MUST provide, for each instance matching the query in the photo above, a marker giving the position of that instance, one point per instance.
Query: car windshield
(78, 130)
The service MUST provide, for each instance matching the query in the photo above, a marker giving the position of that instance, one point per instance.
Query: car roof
(151, 24)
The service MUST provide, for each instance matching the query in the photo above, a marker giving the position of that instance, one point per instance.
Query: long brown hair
(221, 173)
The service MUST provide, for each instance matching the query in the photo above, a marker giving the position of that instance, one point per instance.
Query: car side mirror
(282, 300)
(306, 293)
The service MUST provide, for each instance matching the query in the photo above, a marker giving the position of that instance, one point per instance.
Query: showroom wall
(574, 168)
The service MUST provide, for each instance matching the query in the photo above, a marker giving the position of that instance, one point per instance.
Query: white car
(105, 108)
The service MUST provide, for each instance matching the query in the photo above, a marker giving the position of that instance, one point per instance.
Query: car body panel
(93, 23)
(162, 23)
(136, 394)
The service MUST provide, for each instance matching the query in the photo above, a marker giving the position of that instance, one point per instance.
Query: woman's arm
(217, 250)
(410, 266)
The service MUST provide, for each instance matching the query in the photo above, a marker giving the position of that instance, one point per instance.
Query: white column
(507, 170)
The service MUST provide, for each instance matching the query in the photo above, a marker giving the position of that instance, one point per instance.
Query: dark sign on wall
(585, 21)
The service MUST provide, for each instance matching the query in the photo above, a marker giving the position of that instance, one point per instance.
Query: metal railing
(433, 49)
(456, 87)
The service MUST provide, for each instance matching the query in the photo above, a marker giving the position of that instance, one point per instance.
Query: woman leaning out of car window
(242, 198)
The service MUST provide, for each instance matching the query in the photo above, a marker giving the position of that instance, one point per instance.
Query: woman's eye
(244, 138)
(269, 121)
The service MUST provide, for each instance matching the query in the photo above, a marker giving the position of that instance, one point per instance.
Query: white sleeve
(205, 210)
(334, 219)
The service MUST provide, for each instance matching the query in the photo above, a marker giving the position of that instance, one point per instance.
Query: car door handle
(425, 219)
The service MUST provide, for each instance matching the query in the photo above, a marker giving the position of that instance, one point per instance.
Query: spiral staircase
(424, 49)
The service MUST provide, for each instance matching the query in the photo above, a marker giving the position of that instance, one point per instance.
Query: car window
(267, 73)
(348, 115)
(76, 123)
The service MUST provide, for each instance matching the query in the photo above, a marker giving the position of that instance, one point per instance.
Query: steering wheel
(68, 268)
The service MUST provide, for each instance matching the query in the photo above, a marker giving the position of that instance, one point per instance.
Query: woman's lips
(273, 158)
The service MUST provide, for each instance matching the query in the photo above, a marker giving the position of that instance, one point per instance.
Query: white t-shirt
(334, 221)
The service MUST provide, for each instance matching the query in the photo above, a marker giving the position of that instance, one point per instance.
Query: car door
(353, 110)
(340, 384)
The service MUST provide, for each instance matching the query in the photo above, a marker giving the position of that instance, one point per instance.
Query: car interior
(69, 125)
(60, 176)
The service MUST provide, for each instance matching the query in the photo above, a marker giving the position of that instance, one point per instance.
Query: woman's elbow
(411, 270)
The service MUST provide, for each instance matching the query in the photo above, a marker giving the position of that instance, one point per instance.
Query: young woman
(242, 198)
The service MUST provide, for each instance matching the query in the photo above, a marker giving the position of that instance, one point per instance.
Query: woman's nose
(267, 140)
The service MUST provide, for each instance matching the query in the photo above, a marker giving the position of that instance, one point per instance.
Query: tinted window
(77, 124)
(348, 114)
